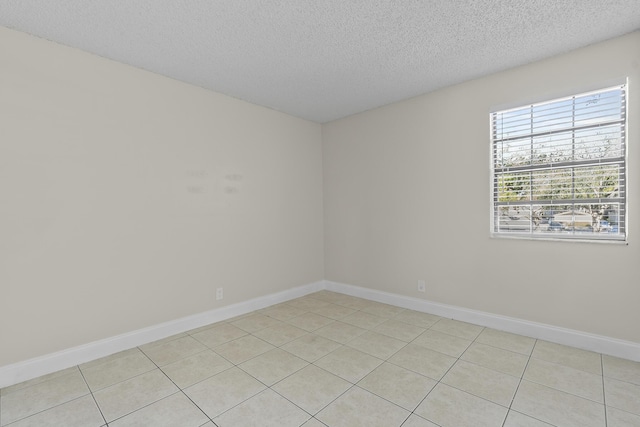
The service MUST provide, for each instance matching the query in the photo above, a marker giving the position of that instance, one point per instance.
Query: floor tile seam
(566, 393)
(181, 390)
(85, 368)
(488, 368)
(346, 343)
(604, 392)
(53, 407)
(515, 394)
(127, 379)
(222, 343)
(566, 365)
(236, 405)
(411, 411)
(325, 406)
(95, 390)
(156, 343)
(97, 368)
(92, 396)
(562, 365)
(145, 406)
(475, 395)
(622, 410)
(206, 349)
(637, 414)
(531, 416)
(5, 393)
(282, 379)
(621, 381)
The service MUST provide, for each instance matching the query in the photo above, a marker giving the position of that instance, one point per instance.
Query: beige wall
(126, 198)
(399, 180)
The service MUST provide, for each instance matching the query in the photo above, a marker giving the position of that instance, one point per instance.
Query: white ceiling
(323, 59)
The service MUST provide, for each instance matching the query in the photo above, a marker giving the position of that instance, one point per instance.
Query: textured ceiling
(323, 59)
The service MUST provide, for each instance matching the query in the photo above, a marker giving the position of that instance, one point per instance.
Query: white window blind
(559, 168)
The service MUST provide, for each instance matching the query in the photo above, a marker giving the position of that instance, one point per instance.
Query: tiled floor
(334, 360)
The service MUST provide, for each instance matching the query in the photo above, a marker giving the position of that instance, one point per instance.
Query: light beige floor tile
(399, 330)
(557, 407)
(497, 359)
(486, 383)
(39, 396)
(175, 410)
(417, 318)
(416, 421)
(359, 408)
(423, 361)
(109, 358)
(130, 395)
(516, 419)
(307, 303)
(267, 409)
(333, 311)
(222, 392)
(118, 369)
(352, 302)
(458, 329)
(282, 312)
(340, 332)
(622, 395)
(81, 412)
(219, 335)
(310, 321)
(564, 378)
(38, 380)
(162, 341)
(326, 295)
(398, 385)
(569, 356)
(377, 345)
(311, 347)
(363, 320)
(312, 388)
(506, 341)
(243, 349)
(255, 322)
(447, 406)
(618, 418)
(241, 316)
(205, 327)
(196, 368)
(279, 334)
(174, 350)
(313, 423)
(273, 366)
(348, 363)
(443, 343)
(382, 310)
(621, 369)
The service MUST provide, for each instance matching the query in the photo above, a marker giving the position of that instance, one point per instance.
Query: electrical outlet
(421, 286)
(219, 294)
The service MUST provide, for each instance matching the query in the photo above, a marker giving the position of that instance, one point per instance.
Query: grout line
(604, 393)
(92, 395)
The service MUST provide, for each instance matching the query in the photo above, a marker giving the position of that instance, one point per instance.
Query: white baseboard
(598, 343)
(32, 368)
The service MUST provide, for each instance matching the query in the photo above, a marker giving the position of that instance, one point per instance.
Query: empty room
(320, 213)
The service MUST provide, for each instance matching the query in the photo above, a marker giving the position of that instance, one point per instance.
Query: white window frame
(528, 224)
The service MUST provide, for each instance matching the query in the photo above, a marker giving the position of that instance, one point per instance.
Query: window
(559, 168)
